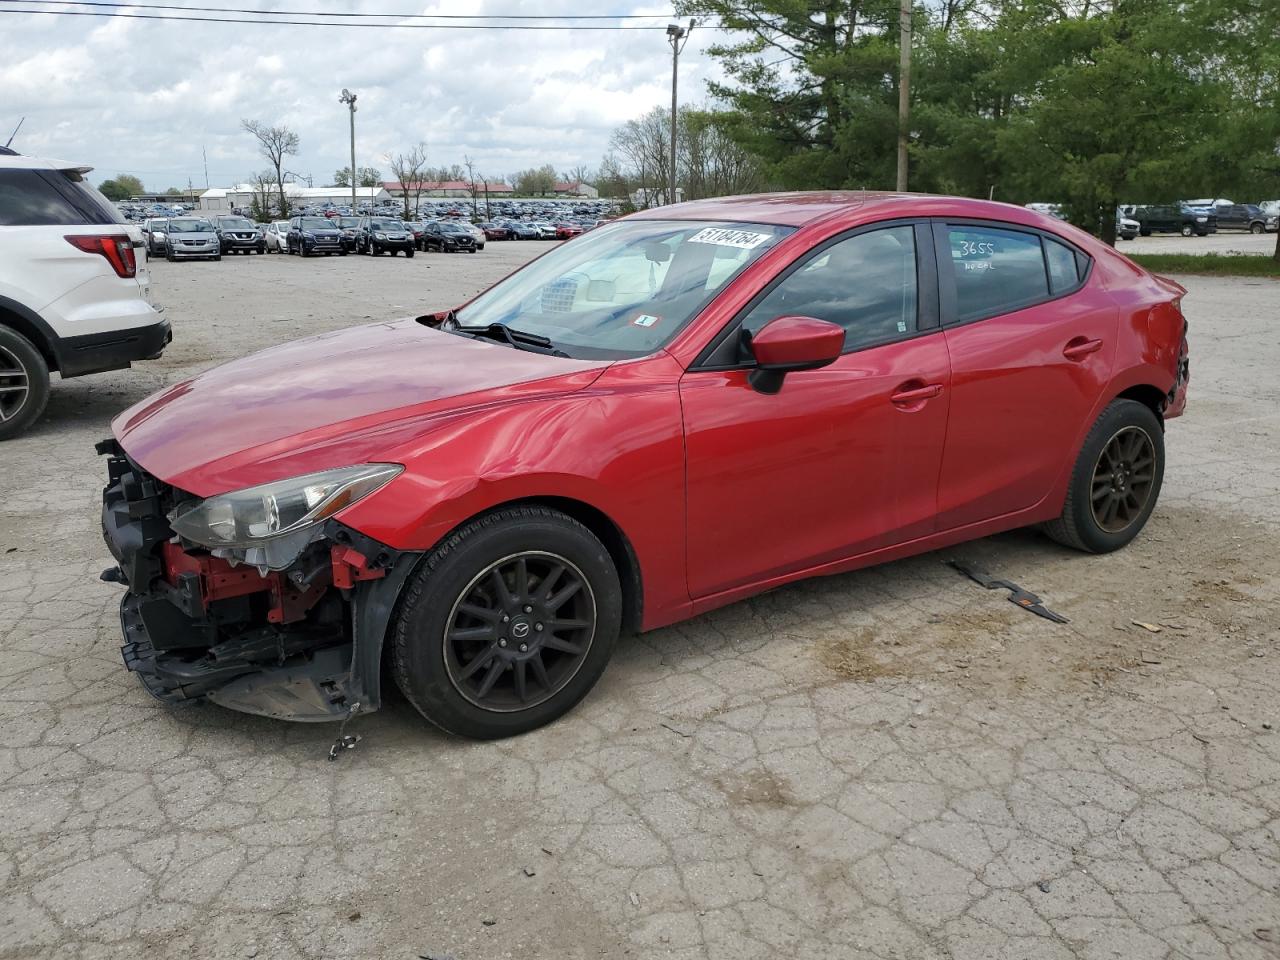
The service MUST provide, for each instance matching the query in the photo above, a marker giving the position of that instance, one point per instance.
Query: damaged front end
(290, 627)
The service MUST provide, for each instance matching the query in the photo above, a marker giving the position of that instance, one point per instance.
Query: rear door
(1031, 346)
(842, 460)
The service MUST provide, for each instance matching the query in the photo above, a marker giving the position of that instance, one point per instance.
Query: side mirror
(787, 344)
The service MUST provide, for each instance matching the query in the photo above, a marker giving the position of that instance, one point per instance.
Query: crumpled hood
(327, 401)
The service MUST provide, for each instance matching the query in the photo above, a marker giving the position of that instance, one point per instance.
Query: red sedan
(567, 231)
(681, 409)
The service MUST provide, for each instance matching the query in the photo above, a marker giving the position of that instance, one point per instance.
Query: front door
(842, 460)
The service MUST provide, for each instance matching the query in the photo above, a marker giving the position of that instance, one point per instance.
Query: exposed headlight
(244, 518)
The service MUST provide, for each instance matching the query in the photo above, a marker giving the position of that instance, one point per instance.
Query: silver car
(275, 233)
(153, 232)
(191, 237)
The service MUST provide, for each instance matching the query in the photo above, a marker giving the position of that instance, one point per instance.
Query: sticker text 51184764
(725, 237)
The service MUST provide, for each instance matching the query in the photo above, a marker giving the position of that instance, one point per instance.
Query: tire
(302, 250)
(1187, 230)
(409, 254)
(18, 412)
(217, 258)
(425, 663)
(168, 254)
(342, 252)
(1079, 526)
(1256, 228)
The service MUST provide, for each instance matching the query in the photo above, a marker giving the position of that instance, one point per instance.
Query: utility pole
(349, 99)
(205, 154)
(677, 36)
(904, 89)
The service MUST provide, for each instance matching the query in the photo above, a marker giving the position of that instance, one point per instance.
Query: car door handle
(909, 393)
(1080, 347)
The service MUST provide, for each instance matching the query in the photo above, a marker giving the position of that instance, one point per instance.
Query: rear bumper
(303, 643)
(114, 350)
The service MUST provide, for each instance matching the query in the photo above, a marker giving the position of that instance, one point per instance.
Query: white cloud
(145, 97)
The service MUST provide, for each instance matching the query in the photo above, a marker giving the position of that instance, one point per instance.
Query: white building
(241, 196)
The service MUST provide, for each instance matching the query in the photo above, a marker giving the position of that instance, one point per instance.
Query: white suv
(73, 297)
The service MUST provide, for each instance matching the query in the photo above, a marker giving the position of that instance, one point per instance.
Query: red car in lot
(680, 409)
(567, 231)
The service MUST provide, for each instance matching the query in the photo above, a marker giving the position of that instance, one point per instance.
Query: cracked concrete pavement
(889, 764)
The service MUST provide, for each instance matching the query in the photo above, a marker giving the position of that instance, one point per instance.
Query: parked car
(378, 235)
(494, 231)
(73, 298)
(522, 230)
(1127, 228)
(311, 235)
(350, 227)
(1240, 216)
(416, 227)
(191, 237)
(567, 230)
(448, 237)
(1169, 218)
(702, 403)
(239, 235)
(153, 231)
(275, 234)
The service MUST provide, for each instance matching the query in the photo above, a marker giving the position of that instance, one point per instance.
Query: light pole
(349, 99)
(677, 36)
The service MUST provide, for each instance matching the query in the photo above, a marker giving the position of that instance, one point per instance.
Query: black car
(1240, 216)
(348, 226)
(448, 237)
(238, 235)
(376, 234)
(308, 235)
(1171, 218)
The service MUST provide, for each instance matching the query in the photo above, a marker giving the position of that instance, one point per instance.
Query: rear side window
(1064, 270)
(28, 200)
(996, 271)
(89, 199)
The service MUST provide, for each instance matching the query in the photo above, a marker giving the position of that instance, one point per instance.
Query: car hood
(193, 234)
(328, 401)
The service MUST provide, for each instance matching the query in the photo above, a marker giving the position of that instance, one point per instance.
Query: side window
(996, 271)
(28, 200)
(1064, 271)
(866, 284)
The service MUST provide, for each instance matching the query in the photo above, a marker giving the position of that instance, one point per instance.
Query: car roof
(800, 209)
(19, 162)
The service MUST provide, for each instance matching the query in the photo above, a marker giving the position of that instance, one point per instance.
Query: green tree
(122, 187)
(536, 182)
(365, 177)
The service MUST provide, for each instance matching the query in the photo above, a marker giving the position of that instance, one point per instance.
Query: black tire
(19, 411)
(1187, 230)
(424, 660)
(302, 250)
(1145, 233)
(409, 254)
(342, 252)
(1256, 228)
(168, 253)
(217, 258)
(1137, 478)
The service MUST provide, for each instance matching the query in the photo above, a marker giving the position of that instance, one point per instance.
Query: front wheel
(1255, 228)
(1116, 480)
(1187, 230)
(24, 383)
(217, 258)
(409, 254)
(508, 624)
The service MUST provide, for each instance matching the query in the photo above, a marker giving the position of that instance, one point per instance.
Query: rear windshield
(32, 198)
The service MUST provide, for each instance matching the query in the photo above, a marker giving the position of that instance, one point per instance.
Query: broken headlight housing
(257, 515)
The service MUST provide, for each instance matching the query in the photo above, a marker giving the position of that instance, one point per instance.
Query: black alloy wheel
(1123, 479)
(507, 624)
(24, 383)
(520, 631)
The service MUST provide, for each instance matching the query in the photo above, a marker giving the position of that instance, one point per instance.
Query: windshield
(315, 223)
(452, 228)
(386, 225)
(236, 223)
(624, 289)
(190, 226)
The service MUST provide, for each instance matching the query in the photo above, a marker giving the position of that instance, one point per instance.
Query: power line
(118, 15)
(320, 13)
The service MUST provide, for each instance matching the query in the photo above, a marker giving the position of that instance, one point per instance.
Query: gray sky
(143, 97)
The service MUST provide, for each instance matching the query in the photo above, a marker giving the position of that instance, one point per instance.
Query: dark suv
(238, 235)
(1171, 218)
(376, 234)
(447, 237)
(1240, 216)
(308, 235)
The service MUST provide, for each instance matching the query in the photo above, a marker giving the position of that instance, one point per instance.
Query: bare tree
(472, 186)
(535, 182)
(260, 207)
(411, 170)
(274, 143)
(579, 174)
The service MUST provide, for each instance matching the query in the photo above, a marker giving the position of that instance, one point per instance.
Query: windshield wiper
(520, 339)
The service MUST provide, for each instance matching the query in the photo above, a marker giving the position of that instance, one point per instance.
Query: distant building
(576, 189)
(647, 197)
(240, 197)
(448, 188)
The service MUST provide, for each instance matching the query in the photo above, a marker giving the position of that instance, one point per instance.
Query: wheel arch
(24, 321)
(1148, 395)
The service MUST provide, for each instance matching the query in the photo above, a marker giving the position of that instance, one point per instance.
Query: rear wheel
(24, 383)
(1116, 480)
(1187, 230)
(508, 624)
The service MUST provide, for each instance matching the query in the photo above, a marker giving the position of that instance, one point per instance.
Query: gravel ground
(888, 764)
(1228, 241)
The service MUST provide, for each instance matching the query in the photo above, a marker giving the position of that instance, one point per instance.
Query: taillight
(118, 250)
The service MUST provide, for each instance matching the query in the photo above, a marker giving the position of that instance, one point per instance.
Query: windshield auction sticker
(722, 237)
